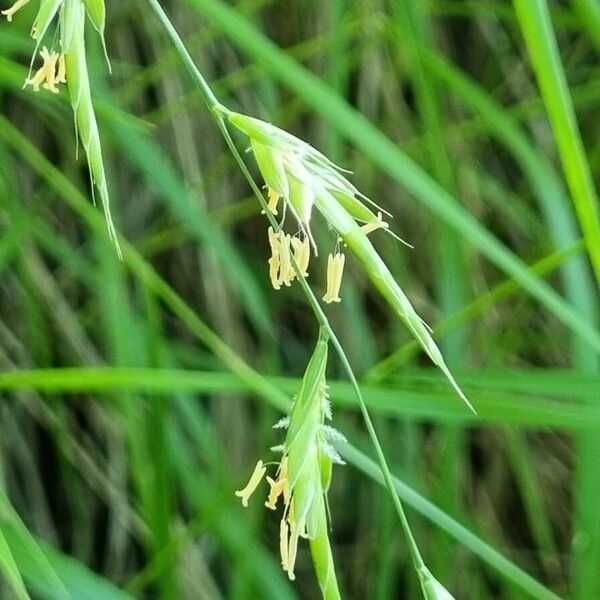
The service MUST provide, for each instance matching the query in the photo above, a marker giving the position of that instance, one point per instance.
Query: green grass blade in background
(536, 25)
(534, 19)
(11, 570)
(451, 273)
(76, 580)
(589, 18)
(545, 184)
(526, 584)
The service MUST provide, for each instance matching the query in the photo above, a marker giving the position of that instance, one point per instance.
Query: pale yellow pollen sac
(255, 479)
(280, 265)
(274, 262)
(283, 475)
(277, 488)
(50, 83)
(335, 270)
(9, 12)
(301, 254)
(274, 270)
(283, 543)
(273, 200)
(47, 74)
(295, 531)
(286, 271)
(379, 223)
(290, 517)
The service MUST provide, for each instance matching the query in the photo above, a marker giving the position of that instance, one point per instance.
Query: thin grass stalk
(535, 22)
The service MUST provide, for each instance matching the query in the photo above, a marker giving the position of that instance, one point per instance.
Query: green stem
(207, 94)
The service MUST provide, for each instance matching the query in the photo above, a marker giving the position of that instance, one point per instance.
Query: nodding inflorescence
(62, 23)
(298, 178)
(302, 476)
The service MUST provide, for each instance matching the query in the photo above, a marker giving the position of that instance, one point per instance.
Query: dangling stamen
(47, 73)
(274, 262)
(273, 200)
(379, 223)
(301, 254)
(295, 531)
(9, 12)
(283, 543)
(61, 75)
(277, 488)
(283, 475)
(274, 266)
(335, 269)
(286, 272)
(51, 73)
(255, 479)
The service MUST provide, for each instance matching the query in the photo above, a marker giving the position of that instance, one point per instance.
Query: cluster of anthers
(305, 465)
(284, 245)
(53, 69)
(300, 177)
(51, 72)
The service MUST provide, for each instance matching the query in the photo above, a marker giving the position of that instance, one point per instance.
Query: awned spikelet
(303, 475)
(85, 118)
(313, 181)
(64, 61)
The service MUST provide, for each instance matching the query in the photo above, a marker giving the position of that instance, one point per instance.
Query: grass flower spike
(306, 179)
(303, 475)
(65, 62)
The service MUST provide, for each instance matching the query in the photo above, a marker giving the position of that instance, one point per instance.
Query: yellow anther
(301, 254)
(9, 12)
(379, 223)
(274, 270)
(273, 200)
(335, 269)
(50, 83)
(255, 479)
(277, 488)
(47, 73)
(283, 543)
(286, 271)
(61, 75)
(293, 549)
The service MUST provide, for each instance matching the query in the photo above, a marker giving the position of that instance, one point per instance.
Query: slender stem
(207, 93)
(218, 110)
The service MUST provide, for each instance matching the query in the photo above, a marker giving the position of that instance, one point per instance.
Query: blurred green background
(136, 396)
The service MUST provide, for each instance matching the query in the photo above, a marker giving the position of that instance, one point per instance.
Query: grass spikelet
(303, 476)
(315, 180)
(380, 275)
(73, 21)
